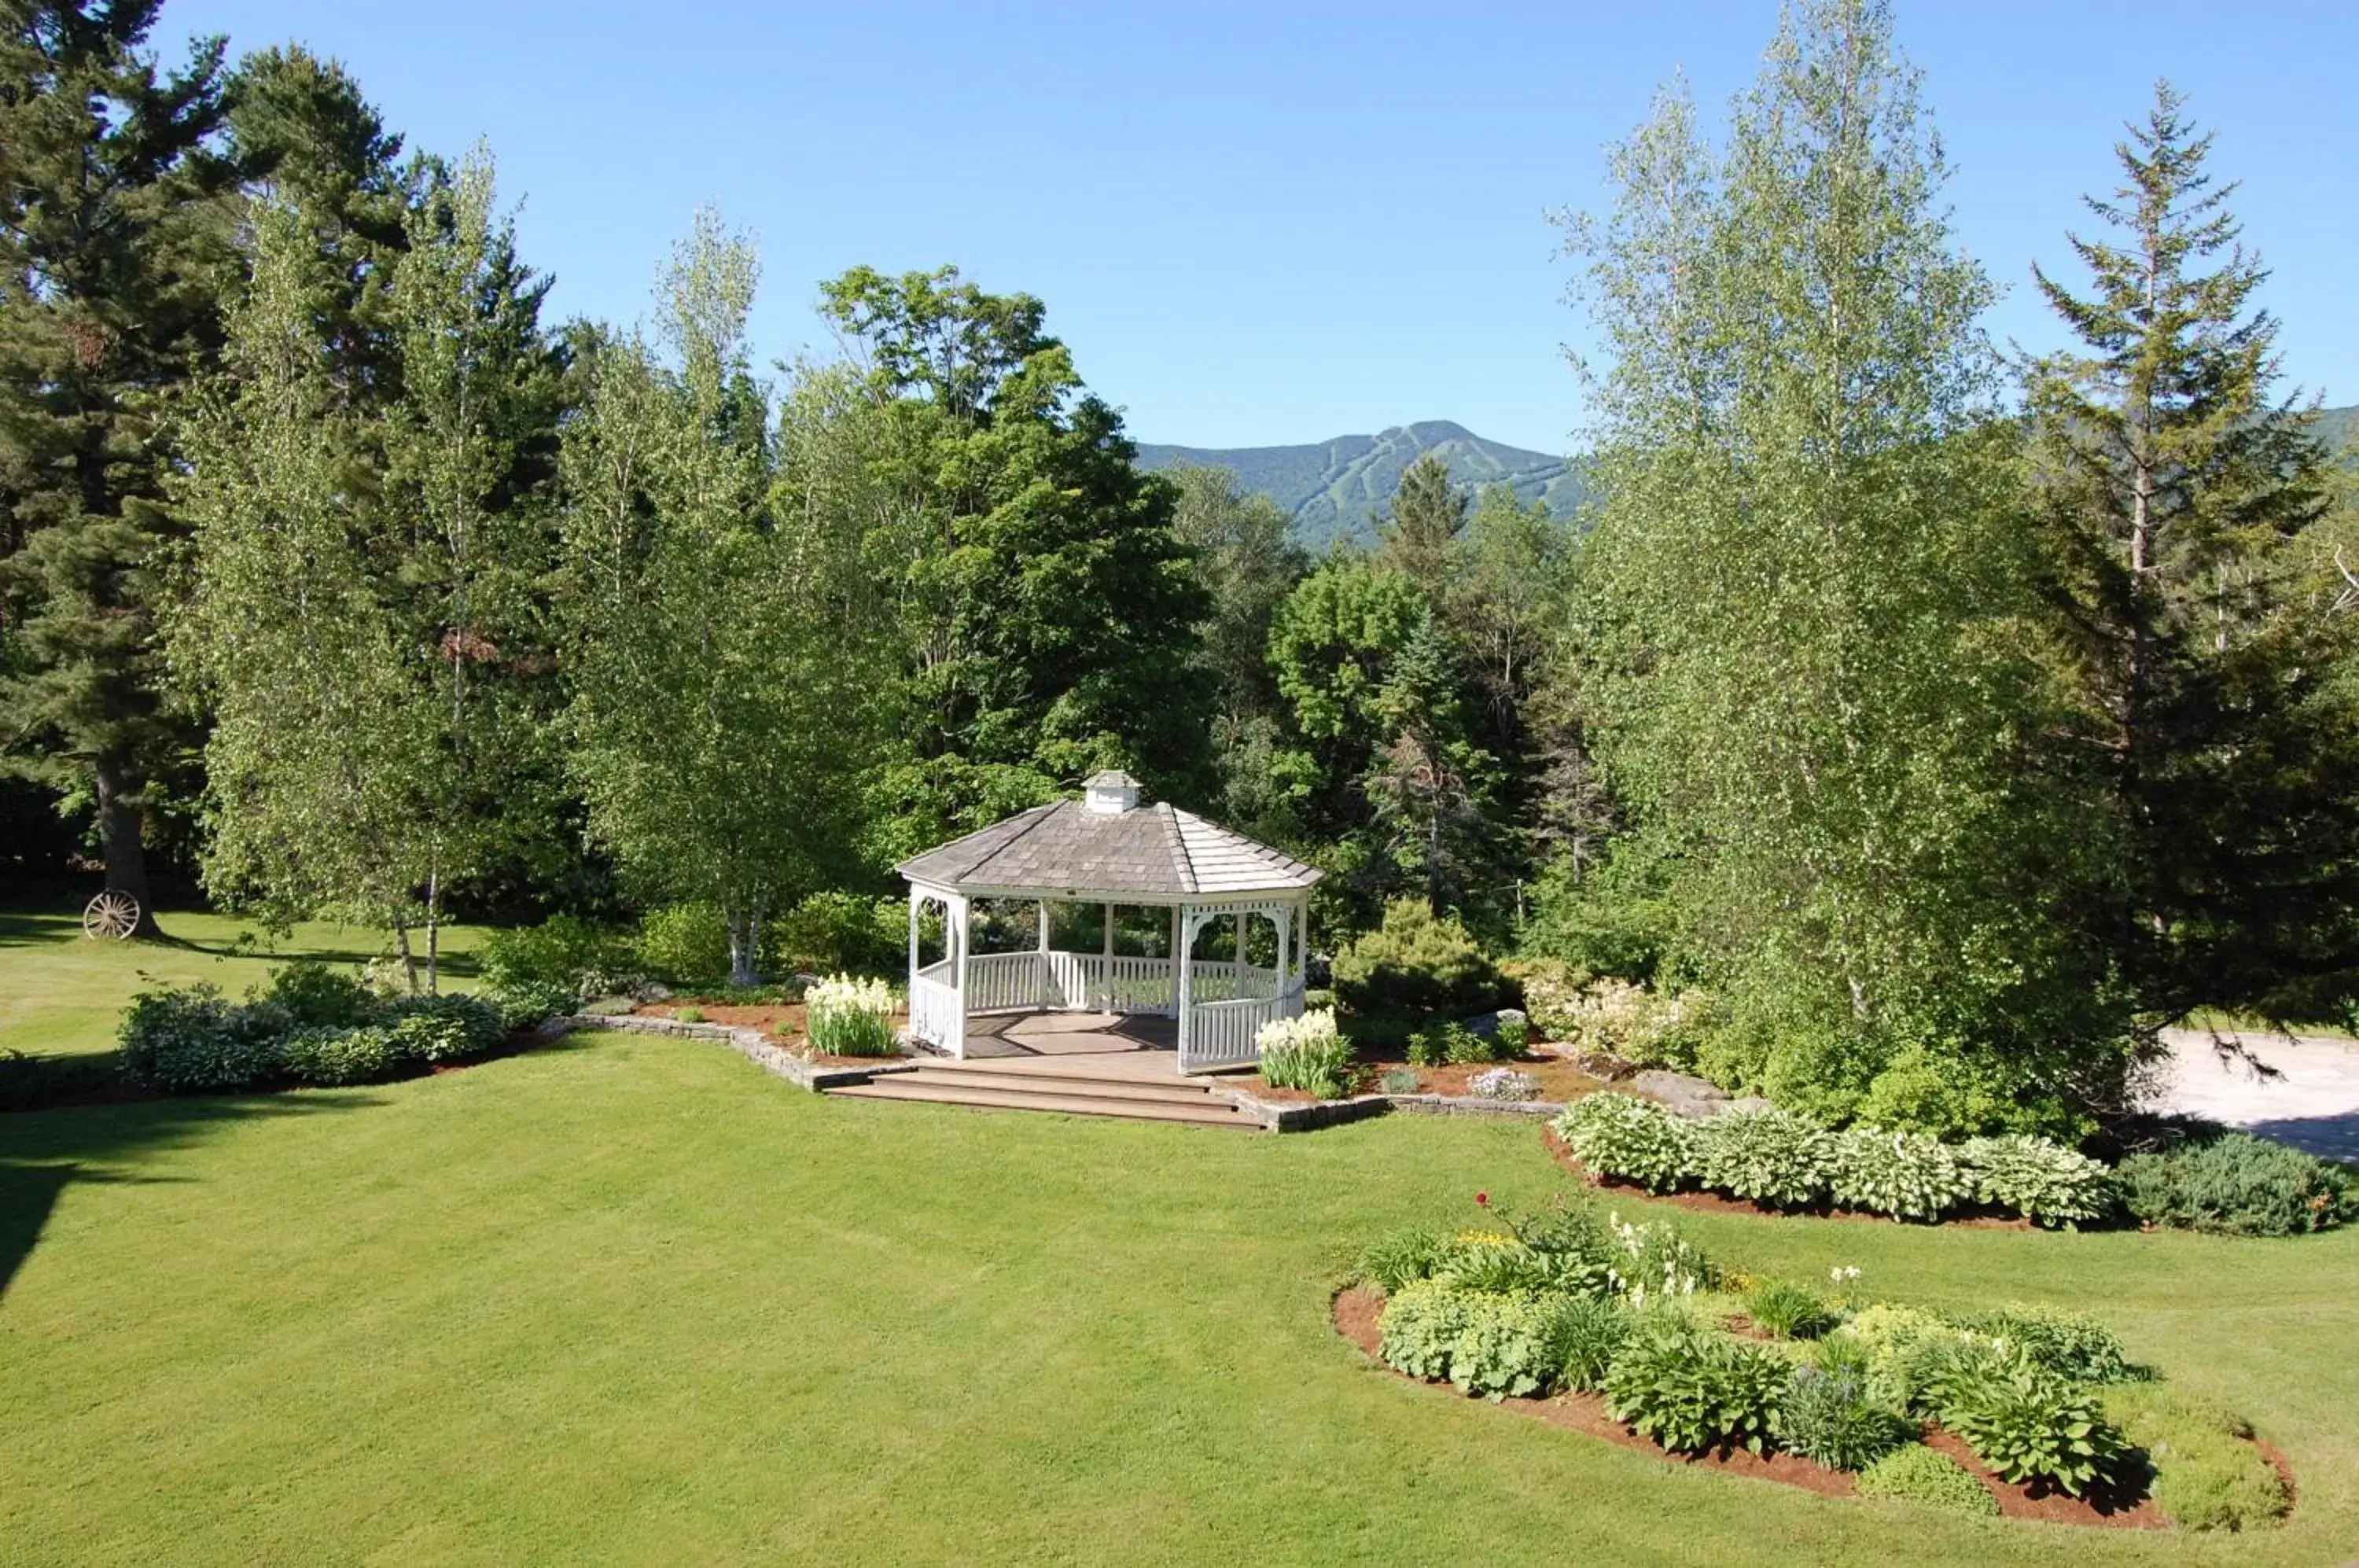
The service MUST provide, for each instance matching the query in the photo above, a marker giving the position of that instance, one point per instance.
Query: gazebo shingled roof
(1153, 852)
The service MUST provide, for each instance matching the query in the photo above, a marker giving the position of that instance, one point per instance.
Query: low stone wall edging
(752, 1044)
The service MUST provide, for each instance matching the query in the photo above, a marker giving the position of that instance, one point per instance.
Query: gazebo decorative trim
(1107, 849)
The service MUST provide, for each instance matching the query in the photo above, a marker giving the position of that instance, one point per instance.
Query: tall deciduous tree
(112, 224)
(2182, 499)
(1810, 607)
(725, 667)
(1422, 522)
(1048, 609)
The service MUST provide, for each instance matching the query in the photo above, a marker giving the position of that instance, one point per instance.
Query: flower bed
(1627, 1331)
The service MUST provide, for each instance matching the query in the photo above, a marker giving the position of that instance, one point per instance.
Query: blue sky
(1262, 224)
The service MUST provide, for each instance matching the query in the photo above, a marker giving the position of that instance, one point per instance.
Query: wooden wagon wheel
(112, 915)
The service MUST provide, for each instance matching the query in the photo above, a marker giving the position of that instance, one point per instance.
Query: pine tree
(113, 228)
(2179, 497)
(1425, 517)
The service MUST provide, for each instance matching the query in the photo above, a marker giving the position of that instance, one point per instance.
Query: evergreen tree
(2180, 499)
(1425, 517)
(112, 229)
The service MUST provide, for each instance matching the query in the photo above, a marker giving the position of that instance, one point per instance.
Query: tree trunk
(744, 941)
(119, 829)
(434, 926)
(408, 959)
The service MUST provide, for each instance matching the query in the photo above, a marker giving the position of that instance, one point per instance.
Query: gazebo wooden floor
(1098, 1064)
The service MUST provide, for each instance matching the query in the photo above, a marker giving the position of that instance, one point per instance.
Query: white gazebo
(1107, 849)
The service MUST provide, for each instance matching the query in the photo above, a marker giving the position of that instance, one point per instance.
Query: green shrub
(1306, 1053)
(1769, 1156)
(524, 1003)
(1514, 1037)
(1827, 1418)
(1917, 1473)
(357, 1054)
(1786, 1310)
(1691, 1390)
(2206, 1473)
(687, 944)
(192, 1040)
(1909, 1176)
(1452, 1043)
(2073, 1345)
(1595, 1330)
(2044, 1182)
(688, 1015)
(1400, 1081)
(443, 1027)
(563, 949)
(844, 1016)
(1393, 1262)
(1911, 1355)
(1481, 1343)
(1506, 1265)
(1415, 967)
(311, 993)
(2238, 1184)
(1627, 1138)
(2028, 1424)
(833, 932)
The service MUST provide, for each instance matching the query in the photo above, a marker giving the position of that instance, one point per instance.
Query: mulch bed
(1717, 1203)
(1357, 1310)
(782, 1021)
(1557, 1077)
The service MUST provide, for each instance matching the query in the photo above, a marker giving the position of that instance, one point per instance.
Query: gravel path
(2314, 1104)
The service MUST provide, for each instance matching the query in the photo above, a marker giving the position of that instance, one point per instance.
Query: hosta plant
(2046, 1182)
(1693, 1391)
(1771, 1157)
(1482, 1343)
(1627, 1138)
(2028, 1424)
(1908, 1175)
(1828, 1418)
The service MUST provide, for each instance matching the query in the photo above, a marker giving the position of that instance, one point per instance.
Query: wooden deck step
(1056, 1094)
(1163, 1090)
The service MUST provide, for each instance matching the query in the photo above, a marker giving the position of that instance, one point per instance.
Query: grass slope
(627, 1298)
(60, 995)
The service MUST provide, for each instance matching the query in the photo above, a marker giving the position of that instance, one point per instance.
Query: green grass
(61, 994)
(629, 1298)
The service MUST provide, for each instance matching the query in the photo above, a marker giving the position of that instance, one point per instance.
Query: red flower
(1484, 1199)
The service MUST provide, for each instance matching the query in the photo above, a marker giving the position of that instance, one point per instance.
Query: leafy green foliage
(1451, 1044)
(847, 1017)
(833, 932)
(1769, 1156)
(359, 1053)
(1397, 1259)
(1399, 1081)
(2048, 1184)
(2238, 1184)
(563, 949)
(1826, 1417)
(1691, 1390)
(438, 1029)
(1482, 1341)
(311, 992)
(1306, 1053)
(2028, 1424)
(1413, 968)
(1909, 1176)
(192, 1040)
(1784, 1310)
(2207, 1474)
(1627, 1138)
(524, 1003)
(1917, 1473)
(687, 944)
(1595, 1330)
(2073, 1345)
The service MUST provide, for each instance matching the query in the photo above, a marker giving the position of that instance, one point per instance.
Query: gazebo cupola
(1108, 849)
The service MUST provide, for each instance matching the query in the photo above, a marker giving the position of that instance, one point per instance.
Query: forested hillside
(1333, 490)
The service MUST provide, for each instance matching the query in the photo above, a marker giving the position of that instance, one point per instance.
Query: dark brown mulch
(1717, 1203)
(1357, 1310)
(1557, 1077)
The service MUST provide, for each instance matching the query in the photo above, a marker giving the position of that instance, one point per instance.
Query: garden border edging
(750, 1043)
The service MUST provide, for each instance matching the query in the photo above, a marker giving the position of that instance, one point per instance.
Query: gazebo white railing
(1111, 850)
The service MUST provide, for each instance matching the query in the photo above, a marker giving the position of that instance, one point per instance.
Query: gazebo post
(1178, 964)
(1040, 965)
(1185, 924)
(958, 924)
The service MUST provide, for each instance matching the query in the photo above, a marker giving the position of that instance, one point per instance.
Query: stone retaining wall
(750, 1043)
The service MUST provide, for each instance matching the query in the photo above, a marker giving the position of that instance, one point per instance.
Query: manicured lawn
(629, 1298)
(60, 995)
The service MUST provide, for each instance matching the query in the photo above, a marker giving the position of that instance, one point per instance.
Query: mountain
(1335, 487)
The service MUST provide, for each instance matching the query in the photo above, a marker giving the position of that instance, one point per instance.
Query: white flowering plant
(848, 1017)
(1308, 1053)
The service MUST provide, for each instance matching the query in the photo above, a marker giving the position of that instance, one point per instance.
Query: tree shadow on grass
(42, 1153)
